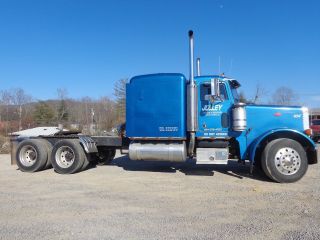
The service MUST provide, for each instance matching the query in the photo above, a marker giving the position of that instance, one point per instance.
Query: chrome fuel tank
(174, 152)
(239, 117)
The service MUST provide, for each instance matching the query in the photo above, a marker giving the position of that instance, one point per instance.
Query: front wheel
(284, 160)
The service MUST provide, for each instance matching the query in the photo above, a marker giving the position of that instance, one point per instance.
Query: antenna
(198, 67)
(219, 66)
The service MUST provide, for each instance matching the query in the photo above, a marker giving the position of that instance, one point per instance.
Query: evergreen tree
(43, 114)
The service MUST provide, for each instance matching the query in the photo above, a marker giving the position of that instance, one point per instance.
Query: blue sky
(85, 46)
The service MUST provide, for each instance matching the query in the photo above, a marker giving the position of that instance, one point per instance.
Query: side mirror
(215, 89)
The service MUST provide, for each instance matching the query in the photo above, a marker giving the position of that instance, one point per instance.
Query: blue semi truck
(172, 118)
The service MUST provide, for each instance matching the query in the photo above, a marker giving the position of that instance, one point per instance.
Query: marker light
(308, 131)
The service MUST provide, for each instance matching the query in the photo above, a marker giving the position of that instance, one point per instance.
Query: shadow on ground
(233, 169)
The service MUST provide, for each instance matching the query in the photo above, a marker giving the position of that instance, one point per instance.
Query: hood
(264, 118)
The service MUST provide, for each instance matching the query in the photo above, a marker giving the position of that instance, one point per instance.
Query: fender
(281, 132)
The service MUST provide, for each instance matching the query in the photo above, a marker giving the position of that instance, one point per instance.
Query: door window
(205, 91)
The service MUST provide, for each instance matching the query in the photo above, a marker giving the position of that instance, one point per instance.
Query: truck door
(213, 115)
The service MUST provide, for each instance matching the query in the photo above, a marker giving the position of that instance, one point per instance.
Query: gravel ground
(137, 200)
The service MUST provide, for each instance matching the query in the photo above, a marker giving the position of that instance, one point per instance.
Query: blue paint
(210, 113)
(156, 106)
(264, 119)
(261, 119)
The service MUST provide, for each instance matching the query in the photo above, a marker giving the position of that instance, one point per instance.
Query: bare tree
(284, 96)
(242, 97)
(105, 113)
(62, 109)
(120, 94)
(20, 98)
(87, 104)
(6, 99)
(82, 109)
(260, 92)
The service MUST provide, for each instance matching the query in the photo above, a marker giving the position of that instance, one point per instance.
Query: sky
(86, 46)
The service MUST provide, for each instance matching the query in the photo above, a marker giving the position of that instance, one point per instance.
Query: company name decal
(212, 108)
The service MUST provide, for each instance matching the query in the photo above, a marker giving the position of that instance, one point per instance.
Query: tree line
(281, 96)
(19, 110)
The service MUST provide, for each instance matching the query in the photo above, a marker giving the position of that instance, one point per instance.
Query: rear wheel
(284, 160)
(32, 155)
(68, 156)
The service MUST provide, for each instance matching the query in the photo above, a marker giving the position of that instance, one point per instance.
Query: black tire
(86, 162)
(32, 155)
(49, 151)
(284, 160)
(67, 156)
(105, 156)
(264, 157)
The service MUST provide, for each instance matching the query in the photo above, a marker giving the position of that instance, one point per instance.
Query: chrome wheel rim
(287, 160)
(64, 157)
(28, 155)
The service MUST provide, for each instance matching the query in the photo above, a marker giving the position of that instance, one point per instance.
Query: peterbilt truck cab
(170, 118)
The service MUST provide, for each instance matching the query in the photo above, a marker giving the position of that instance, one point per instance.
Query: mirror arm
(215, 90)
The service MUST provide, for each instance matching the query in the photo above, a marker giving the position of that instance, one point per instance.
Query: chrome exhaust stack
(192, 120)
(191, 56)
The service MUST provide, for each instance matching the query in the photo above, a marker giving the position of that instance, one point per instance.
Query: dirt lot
(136, 200)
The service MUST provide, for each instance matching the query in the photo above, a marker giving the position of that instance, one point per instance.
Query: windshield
(315, 122)
(235, 94)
